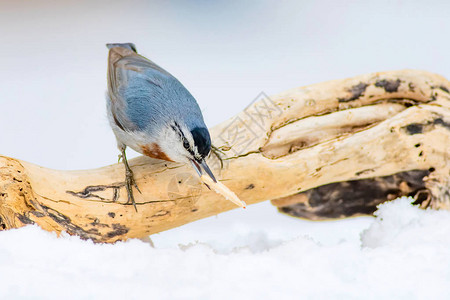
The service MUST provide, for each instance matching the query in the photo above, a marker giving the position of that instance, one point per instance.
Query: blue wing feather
(143, 95)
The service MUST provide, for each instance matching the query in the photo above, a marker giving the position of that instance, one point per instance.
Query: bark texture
(329, 150)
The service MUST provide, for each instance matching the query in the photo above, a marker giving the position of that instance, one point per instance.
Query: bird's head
(188, 144)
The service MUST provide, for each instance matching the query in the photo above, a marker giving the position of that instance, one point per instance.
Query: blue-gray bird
(151, 112)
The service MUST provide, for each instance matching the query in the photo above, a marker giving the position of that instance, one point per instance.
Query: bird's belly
(153, 150)
(130, 139)
(141, 143)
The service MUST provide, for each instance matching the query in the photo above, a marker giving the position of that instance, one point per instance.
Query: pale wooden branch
(368, 126)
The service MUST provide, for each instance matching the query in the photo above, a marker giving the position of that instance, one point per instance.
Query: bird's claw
(130, 182)
(130, 176)
(137, 188)
(218, 153)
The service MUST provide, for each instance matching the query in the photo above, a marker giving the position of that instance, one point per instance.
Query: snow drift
(404, 254)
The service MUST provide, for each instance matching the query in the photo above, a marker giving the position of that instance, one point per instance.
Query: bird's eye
(186, 144)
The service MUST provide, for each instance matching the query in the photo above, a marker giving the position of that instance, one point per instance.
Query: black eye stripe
(186, 144)
(177, 129)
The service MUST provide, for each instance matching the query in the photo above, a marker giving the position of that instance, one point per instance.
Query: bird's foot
(218, 153)
(129, 180)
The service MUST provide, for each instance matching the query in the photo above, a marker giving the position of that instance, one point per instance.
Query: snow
(403, 253)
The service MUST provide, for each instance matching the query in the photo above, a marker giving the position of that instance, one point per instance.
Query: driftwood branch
(307, 150)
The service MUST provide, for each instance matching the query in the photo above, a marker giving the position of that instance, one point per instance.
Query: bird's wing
(123, 66)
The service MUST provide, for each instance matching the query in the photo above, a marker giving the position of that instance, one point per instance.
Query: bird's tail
(129, 46)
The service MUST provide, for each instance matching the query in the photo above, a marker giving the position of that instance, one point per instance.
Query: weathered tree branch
(278, 148)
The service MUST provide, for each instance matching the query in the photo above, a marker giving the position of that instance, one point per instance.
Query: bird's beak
(218, 187)
(198, 165)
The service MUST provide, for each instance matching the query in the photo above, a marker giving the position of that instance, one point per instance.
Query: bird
(151, 112)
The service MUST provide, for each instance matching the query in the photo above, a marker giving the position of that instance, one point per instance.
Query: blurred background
(53, 73)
